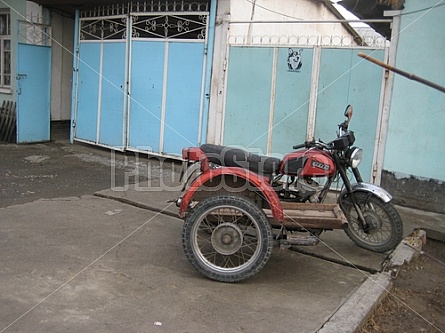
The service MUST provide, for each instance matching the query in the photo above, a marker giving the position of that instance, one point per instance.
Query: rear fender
(251, 178)
(369, 188)
(195, 154)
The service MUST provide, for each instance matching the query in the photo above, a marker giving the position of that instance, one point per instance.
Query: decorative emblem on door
(294, 61)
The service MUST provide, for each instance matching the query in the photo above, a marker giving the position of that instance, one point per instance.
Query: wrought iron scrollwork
(148, 6)
(171, 26)
(153, 19)
(102, 29)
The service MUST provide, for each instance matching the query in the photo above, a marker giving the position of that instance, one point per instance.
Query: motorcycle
(236, 204)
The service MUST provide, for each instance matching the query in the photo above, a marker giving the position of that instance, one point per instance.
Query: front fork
(358, 177)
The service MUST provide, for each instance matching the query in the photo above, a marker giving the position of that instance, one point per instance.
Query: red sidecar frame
(260, 183)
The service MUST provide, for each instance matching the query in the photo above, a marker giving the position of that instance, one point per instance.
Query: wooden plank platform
(298, 216)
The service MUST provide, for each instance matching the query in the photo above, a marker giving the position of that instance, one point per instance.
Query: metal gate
(101, 89)
(141, 76)
(293, 91)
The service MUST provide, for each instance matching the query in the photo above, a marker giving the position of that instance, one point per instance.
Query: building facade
(155, 76)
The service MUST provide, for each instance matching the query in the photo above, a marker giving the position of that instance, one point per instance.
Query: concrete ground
(113, 261)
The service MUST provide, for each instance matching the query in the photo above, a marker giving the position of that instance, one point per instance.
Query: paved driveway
(96, 265)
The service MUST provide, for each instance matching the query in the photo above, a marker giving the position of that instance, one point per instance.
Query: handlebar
(345, 138)
(343, 126)
(303, 145)
(311, 144)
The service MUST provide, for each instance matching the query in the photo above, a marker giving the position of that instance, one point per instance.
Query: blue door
(86, 116)
(100, 105)
(146, 95)
(112, 96)
(166, 81)
(183, 96)
(33, 93)
(166, 95)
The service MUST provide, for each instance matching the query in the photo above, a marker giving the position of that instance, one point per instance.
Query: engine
(301, 173)
(300, 189)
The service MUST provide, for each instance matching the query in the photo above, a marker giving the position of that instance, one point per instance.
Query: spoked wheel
(227, 238)
(385, 227)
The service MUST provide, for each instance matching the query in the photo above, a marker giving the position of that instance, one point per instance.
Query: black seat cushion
(235, 157)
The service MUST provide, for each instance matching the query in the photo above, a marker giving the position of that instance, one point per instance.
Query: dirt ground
(417, 300)
(54, 169)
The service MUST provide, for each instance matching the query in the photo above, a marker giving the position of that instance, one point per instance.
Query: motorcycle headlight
(354, 156)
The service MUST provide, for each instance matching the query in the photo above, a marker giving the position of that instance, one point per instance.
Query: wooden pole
(403, 73)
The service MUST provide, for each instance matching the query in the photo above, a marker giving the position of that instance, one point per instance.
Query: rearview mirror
(348, 113)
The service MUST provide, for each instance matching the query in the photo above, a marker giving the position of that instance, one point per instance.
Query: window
(5, 50)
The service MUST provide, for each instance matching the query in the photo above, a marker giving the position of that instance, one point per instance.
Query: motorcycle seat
(235, 157)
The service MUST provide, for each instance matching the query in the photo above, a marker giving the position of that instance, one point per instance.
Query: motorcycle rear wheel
(227, 238)
(385, 227)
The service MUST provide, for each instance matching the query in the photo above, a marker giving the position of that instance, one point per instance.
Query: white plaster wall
(33, 9)
(283, 11)
(61, 66)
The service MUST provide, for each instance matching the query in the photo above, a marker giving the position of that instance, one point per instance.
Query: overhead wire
(273, 11)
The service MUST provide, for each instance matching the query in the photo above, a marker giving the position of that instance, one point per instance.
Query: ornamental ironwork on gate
(149, 20)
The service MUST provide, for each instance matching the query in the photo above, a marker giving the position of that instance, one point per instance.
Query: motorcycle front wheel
(227, 238)
(384, 229)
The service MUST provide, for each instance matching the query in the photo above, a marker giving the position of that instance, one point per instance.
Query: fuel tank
(308, 163)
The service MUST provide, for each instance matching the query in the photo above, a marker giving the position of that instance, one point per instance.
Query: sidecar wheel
(227, 238)
(385, 227)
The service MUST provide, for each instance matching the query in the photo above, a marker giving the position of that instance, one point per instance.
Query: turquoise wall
(248, 97)
(350, 81)
(417, 117)
(249, 94)
(344, 79)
